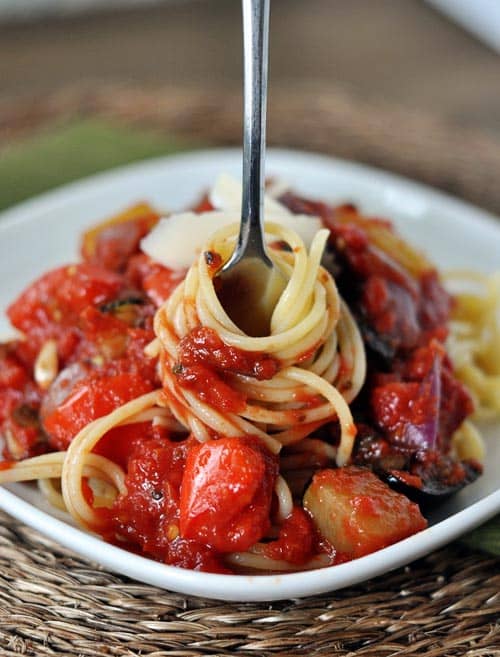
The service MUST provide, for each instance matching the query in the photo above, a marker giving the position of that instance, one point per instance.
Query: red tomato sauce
(202, 346)
(297, 540)
(405, 406)
(206, 363)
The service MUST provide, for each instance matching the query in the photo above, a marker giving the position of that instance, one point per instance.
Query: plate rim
(258, 588)
(255, 587)
(14, 214)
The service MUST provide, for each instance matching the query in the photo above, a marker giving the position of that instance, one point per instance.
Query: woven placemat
(452, 157)
(55, 603)
(445, 605)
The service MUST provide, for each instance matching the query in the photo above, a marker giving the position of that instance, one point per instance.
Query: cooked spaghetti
(312, 337)
(145, 410)
(474, 342)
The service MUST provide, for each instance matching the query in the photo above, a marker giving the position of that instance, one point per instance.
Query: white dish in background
(44, 232)
(479, 17)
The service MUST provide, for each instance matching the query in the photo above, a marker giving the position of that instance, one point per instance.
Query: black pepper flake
(156, 495)
(210, 257)
(177, 368)
(119, 303)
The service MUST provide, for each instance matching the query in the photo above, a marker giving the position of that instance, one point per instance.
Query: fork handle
(255, 57)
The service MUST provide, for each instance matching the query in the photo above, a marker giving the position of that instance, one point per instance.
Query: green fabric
(485, 538)
(69, 151)
(73, 150)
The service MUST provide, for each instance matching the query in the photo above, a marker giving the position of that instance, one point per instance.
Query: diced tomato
(417, 365)
(138, 267)
(120, 346)
(119, 443)
(210, 388)
(103, 335)
(359, 514)
(141, 364)
(19, 404)
(12, 372)
(202, 346)
(428, 404)
(91, 398)
(151, 504)
(205, 361)
(49, 308)
(395, 405)
(160, 284)
(62, 294)
(19, 424)
(295, 543)
(157, 281)
(185, 553)
(226, 493)
(147, 516)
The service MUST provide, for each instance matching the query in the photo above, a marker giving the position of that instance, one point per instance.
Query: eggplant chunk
(357, 513)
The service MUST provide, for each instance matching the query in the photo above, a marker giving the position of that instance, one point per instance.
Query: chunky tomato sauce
(411, 403)
(205, 364)
(190, 504)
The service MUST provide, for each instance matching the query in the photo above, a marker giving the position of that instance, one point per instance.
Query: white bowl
(44, 232)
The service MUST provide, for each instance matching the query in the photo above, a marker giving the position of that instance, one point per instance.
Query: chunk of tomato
(226, 493)
(49, 307)
(210, 387)
(296, 539)
(157, 281)
(12, 372)
(203, 346)
(61, 294)
(115, 244)
(19, 403)
(91, 398)
(147, 515)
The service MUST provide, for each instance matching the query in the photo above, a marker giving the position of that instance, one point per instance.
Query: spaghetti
(313, 337)
(474, 342)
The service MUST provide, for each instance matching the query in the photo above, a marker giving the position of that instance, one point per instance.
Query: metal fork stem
(255, 56)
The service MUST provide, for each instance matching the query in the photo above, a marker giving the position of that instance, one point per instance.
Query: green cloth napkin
(485, 538)
(82, 147)
(73, 150)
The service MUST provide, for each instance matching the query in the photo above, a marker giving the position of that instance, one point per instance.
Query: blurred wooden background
(398, 51)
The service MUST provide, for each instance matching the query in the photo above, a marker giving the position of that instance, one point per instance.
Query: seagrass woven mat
(444, 605)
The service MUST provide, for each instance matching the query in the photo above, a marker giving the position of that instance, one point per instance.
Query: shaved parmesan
(176, 241)
(227, 192)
